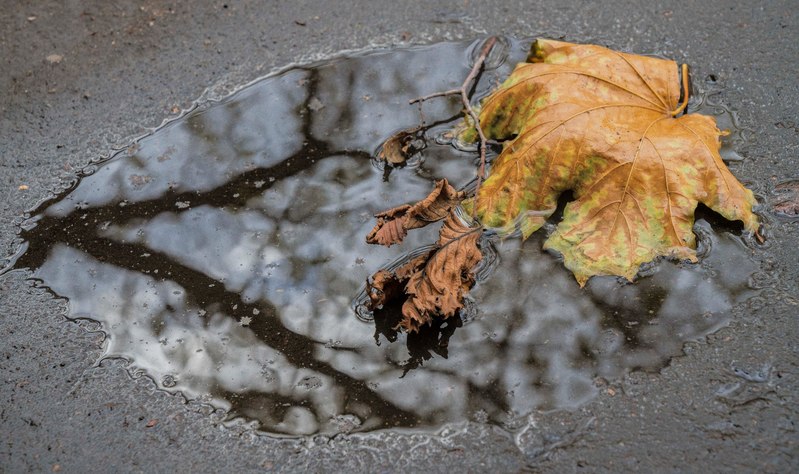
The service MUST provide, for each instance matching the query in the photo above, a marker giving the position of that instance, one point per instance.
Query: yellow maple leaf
(607, 126)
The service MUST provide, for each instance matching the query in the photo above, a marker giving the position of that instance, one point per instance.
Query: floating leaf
(604, 125)
(401, 146)
(438, 288)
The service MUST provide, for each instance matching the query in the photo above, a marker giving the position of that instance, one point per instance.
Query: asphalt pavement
(82, 79)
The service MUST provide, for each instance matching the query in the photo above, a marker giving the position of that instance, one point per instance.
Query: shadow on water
(221, 254)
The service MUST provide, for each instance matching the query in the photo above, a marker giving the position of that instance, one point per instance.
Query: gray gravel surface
(82, 78)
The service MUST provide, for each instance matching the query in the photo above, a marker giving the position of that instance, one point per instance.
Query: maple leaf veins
(604, 125)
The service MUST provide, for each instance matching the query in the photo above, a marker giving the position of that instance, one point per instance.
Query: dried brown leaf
(400, 147)
(393, 224)
(434, 283)
(385, 286)
(438, 289)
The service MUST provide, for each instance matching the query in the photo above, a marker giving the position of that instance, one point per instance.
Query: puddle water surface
(222, 253)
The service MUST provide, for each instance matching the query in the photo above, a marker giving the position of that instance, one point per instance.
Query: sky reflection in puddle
(222, 252)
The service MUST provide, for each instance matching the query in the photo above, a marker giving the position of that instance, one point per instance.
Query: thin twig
(436, 94)
(463, 91)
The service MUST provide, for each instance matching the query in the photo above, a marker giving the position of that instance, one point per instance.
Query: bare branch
(463, 91)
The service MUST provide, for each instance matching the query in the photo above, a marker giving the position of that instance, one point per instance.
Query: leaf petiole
(685, 91)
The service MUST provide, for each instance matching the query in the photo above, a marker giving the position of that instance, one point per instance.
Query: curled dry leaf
(606, 126)
(401, 146)
(434, 283)
(393, 225)
(385, 286)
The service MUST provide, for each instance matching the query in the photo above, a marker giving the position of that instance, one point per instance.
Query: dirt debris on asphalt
(83, 79)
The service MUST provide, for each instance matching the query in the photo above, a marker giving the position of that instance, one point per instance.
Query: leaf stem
(685, 92)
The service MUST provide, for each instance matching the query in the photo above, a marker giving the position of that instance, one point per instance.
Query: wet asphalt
(81, 79)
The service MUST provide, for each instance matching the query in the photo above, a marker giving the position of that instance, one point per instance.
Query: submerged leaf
(393, 225)
(604, 125)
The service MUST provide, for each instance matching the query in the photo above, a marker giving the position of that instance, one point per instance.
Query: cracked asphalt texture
(82, 78)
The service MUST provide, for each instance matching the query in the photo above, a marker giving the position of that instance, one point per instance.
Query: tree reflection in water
(221, 256)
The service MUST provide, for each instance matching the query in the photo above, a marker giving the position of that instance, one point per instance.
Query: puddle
(221, 255)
